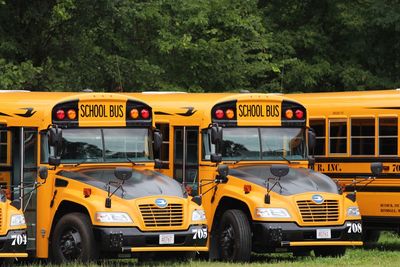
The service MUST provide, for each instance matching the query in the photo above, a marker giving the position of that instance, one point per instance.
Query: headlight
(17, 220)
(272, 213)
(353, 211)
(198, 215)
(113, 217)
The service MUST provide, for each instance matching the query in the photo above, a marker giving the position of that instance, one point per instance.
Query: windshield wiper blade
(131, 161)
(83, 161)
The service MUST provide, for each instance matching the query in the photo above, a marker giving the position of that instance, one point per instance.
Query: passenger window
(388, 136)
(319, 128)
(362, 137)
(338, 137)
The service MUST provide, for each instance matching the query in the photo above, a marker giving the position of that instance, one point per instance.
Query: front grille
(325, 212)
(153, 216)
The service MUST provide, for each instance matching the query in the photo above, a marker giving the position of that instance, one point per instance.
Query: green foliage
(200, 45)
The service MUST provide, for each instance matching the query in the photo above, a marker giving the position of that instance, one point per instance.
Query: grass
(385, 253)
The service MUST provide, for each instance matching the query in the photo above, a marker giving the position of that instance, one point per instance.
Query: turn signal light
(289, 113)
(71, 114)
(229, 113)
(60, 114)
(247, 188)
(134, 113)
(219, 113)
(87, 192)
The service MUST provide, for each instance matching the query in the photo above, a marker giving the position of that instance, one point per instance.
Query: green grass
(385, 253)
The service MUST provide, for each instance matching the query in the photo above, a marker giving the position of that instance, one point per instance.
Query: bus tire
(73, 239)
(330, 251)
(234, 236)
(371, 237)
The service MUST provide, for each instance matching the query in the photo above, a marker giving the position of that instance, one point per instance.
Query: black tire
(371, 237)
(234, 236)
(73, 239)
(330, 251)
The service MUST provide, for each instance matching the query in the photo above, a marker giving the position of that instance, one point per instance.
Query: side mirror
(54, 161)
(55, 137)
(43, 172)
(216, 158)
(376, 168)
(279, 170)
(157, 137)
(311, 140)
(123, 173)
(216, 135)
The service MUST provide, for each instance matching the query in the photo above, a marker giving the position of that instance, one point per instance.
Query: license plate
(323, 233)
(166, 239)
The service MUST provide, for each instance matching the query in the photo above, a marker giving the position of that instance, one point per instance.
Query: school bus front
(260, 196)
(99, 195)
(13, 238)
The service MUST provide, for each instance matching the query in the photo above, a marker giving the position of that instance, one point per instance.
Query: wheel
(371, 237)
(73, 239)
(330, 251)
(234, 236)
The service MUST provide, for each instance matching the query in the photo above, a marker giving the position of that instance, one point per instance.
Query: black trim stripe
(357, 160)
(368, 188)
(4, 114)
(361, 175)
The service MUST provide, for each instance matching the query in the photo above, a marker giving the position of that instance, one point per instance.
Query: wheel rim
(70, 244)
(227, 241)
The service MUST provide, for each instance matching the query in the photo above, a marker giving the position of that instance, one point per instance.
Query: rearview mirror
(43, 172)
(157, 137)
(216, 135)
(55, 137)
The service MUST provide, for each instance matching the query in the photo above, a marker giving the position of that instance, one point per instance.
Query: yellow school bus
(12, 229)
(246, 155)
(353, 130)
(90, 156)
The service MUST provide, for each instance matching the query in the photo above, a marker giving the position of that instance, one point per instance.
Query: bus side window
(388, 136)
(338, 137)
(3, 147)
(362, 136)
(319, 129)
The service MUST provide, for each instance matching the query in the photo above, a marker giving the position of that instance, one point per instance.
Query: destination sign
(102, 114)
(249, 113)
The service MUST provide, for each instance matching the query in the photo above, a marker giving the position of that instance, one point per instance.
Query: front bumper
(272, 236)
(124, 239)
(13, 245)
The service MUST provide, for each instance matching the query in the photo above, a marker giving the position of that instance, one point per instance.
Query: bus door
(24, 173)
(186, 162)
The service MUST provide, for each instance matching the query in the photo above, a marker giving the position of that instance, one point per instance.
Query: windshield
(253, 143)
(104, 145)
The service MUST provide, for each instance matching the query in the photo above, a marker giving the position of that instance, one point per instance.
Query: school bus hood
(142, 183)
(297, 181)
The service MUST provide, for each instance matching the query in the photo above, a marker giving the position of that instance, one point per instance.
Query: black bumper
(112, 239)
(270, 236)
(14, 242)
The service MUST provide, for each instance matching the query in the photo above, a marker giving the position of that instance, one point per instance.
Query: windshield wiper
(84, 160)
(278, 153)
(131, 161)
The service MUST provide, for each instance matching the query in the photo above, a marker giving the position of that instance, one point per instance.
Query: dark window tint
(319, 128)
(3, 146)
(388, 136)
(338, 137)
(362, 136)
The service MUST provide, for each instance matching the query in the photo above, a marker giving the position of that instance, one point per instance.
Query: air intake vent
(153, 216)
(325, 212)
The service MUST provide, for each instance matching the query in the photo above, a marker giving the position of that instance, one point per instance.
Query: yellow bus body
(370, 129)
(176, 113)
(76, 192)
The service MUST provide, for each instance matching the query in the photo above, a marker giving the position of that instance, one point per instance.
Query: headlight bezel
(198, 215)
(17, 220)
(112, 217)
(272, 213)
